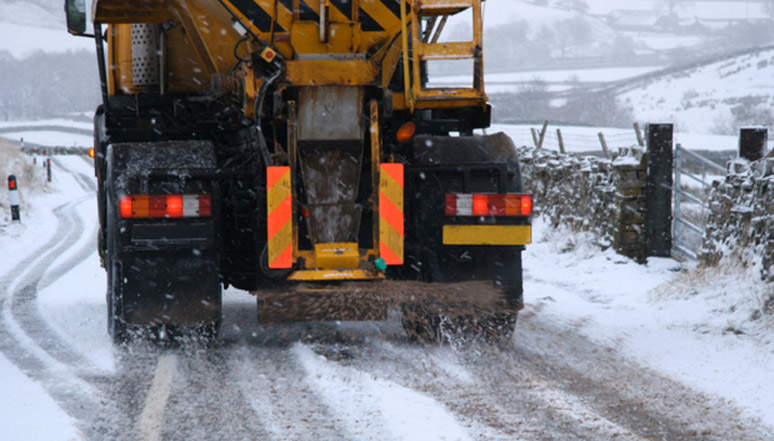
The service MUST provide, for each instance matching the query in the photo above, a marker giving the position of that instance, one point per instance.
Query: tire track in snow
(273, 383)
(435, 371)
(535, 411)
(635, 399)
(57, 370)
(543, 410)
(206, 400)
(90, 245)
(29, 342)
(372, 408)
(24, 308)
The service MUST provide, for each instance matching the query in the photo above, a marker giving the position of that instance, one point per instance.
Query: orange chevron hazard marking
(280, 217)
(285, 259)
(279, 221)
(391, 225)
(395, 171)
(389, 257)
(391, 214)
(274, 174)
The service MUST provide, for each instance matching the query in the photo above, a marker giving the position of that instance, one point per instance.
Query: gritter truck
(311, 152)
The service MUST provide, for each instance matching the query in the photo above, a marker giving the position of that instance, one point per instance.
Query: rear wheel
(117, 328)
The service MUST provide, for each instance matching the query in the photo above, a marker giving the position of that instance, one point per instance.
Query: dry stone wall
(741, 222)
(588, 193)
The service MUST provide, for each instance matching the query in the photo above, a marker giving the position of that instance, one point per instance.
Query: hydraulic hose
(257, 108)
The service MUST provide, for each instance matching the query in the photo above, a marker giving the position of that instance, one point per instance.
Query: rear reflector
(483, 204)
(166, 206)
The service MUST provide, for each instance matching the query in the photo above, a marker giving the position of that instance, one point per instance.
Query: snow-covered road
(569, 373)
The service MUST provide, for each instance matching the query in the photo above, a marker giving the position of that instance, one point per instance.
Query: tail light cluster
(166, 206)
(483, 204)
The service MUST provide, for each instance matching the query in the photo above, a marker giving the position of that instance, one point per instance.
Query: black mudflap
(177, 291)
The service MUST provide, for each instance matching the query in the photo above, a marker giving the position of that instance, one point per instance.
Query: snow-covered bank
(27, 412)
(31, 180)
(702, 327)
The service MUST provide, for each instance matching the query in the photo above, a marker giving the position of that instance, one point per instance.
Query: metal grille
(691, 207)
(145, 54)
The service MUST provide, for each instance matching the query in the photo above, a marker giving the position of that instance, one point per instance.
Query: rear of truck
(295, 149)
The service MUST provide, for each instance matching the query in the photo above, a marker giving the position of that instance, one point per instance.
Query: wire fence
(574, 139)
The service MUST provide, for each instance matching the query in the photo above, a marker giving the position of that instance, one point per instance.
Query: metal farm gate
(693, 180)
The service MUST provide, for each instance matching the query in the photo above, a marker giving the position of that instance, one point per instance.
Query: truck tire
(117, 328)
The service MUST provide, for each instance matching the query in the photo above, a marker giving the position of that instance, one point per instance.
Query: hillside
(27, 27)
(713, 98)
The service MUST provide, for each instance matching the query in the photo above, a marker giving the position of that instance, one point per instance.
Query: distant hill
(36, 25)
(716, 97)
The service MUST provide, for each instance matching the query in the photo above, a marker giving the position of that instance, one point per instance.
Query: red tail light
(166, 206)
(483, 204)
(174, 206)
(526, 205)
(126, 207)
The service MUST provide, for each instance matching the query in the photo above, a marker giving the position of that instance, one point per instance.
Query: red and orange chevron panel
(279, 202)
(391, 232)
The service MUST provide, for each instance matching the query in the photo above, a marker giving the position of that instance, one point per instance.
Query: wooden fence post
(604, 145)
(640, 141)
(561, 141)
(542, 135)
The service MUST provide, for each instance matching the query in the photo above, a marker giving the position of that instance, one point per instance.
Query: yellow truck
(299, 150)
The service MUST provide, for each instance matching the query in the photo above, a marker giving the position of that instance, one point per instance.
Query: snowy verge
(680, 321)
(30, 177)
(27, 412)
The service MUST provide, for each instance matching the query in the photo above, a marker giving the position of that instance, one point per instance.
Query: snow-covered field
(556, 80)
(26, 28)
(708, 9)
(707, 99)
